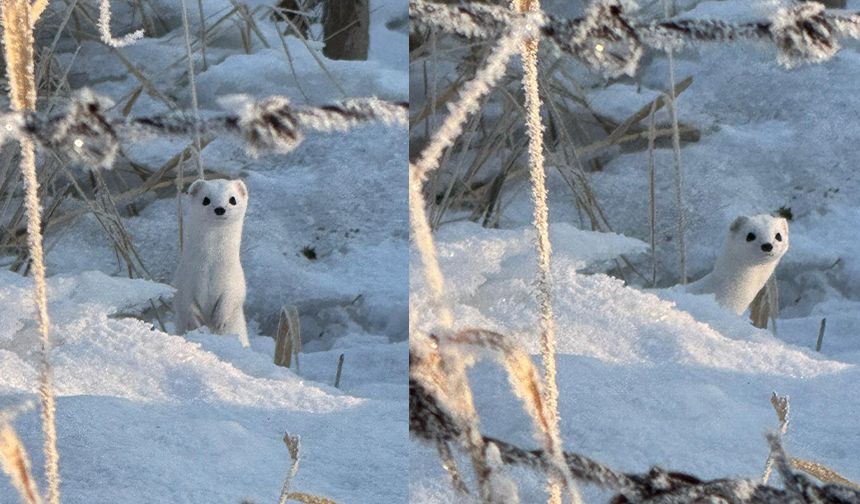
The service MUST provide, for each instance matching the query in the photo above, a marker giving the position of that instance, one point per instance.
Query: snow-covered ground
(146, 416)
(659, 376)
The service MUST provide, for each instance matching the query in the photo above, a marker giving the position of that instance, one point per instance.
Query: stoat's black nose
(767, 247)
(220, 211)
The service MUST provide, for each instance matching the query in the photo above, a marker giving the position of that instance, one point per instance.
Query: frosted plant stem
(423, 238)
(679, 169)
(193, 85)
(428, 161)
(529, 53)
(433, 79)
(652, 193)
(46, 376)
(469, 98)
(16, 464)
(202, 34)
(18, 42)
(179, 179)
(782, 407)
(293, 446)
(104, 28)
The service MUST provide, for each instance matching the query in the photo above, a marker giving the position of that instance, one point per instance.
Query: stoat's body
(209, 280)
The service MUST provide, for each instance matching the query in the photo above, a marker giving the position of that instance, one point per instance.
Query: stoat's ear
(241, 187)
(196, 186)
(738, 223)
(782, 222)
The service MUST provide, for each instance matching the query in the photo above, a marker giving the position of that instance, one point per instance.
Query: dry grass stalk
(782, 408)
(288, 342)
(306, 498)
(443, 369)
(765, 305)
(450, 466)
(16, 464)
(193, 86)
(679, 169)
(652, 194)
(470, 95)
(822, 473)
(202, 34)
(18, 23)
(293, 446)
(423, 238)
(104, 28)
(526, 385)
(462, 404)
(425, 368)
(529, 53)
(820, 339)
(339, 371)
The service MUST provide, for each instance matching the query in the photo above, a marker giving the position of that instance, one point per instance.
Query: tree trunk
(346, 26)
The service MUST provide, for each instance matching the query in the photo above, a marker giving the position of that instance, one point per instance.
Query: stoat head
(216, 202)
(759, 239)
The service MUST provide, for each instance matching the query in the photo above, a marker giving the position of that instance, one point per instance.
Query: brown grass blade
(16, 464)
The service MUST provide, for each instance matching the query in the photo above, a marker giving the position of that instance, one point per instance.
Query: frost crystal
(269, 125)
(349, 113)
(83, 133)
(803, 34)
(606, 41)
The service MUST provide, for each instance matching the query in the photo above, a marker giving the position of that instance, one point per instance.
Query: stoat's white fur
(745, 264)
(209, 281)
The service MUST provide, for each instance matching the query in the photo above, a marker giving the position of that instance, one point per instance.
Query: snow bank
(645, 378)
(145, 416)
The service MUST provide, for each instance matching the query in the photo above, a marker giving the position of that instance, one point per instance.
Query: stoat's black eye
(206, 201)
(751, 237)
(232, 200)
(778, 237)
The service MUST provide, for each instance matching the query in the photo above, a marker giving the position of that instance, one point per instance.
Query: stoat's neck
(213, 243)
(738, 282)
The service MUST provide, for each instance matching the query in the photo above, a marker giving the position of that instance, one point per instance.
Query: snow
(151, 417)
(656, 376)
(646, 378)
(147, 416)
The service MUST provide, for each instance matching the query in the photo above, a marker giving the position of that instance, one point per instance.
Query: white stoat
(209, 280)
(751, 252)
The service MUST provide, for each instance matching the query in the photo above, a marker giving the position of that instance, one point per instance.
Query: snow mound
(645, 377)
(490, 278)
(193, 412)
